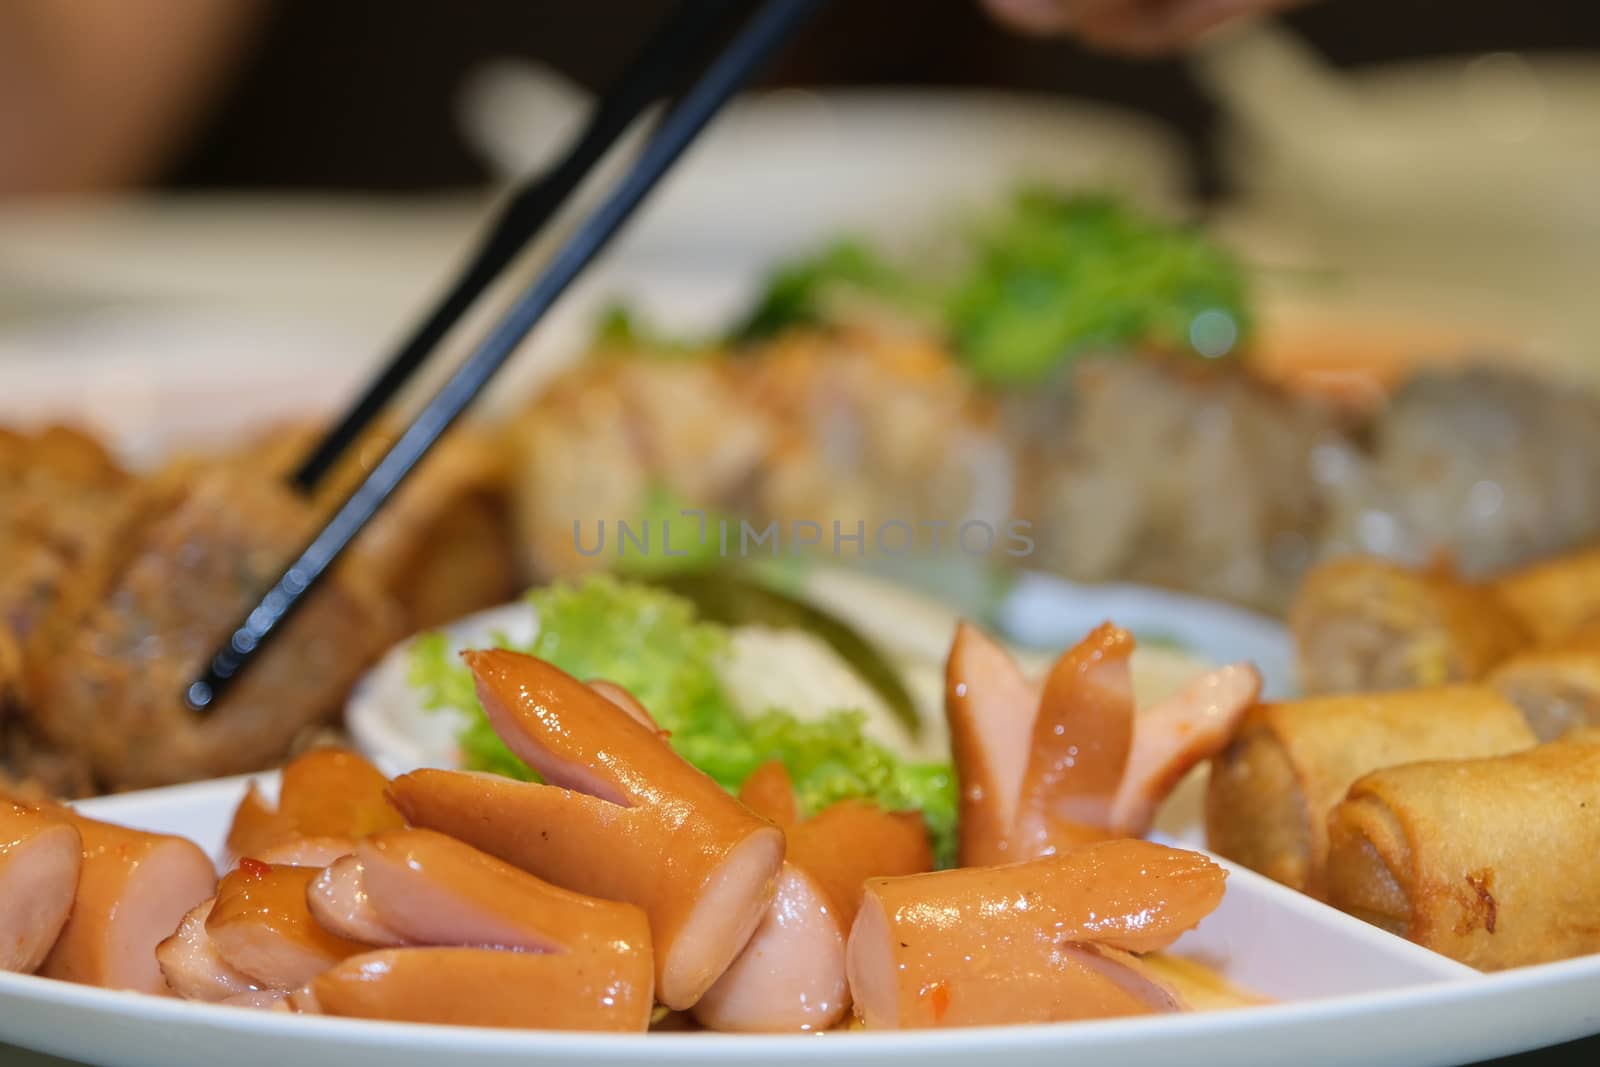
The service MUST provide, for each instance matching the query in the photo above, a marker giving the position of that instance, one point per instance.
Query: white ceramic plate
(1345, 992)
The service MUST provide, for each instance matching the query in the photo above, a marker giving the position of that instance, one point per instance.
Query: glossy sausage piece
(424, 888)
(338, 901)
(191, 965)
(1079, 749)
(484, 987)
(1041, 941)
(791, 973)
(327, 793)
(845, 843)
(40, 856)
(991, 706)
(1039, 765)
(261, 925)
(623, 818)
(133, 889)
(1173, 737)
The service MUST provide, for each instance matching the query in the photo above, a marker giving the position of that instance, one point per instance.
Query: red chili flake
(253, 868)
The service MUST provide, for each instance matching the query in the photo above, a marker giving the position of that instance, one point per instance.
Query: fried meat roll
(1272, 788)
(1556, 685)
(1363, 624)
(1494, 862)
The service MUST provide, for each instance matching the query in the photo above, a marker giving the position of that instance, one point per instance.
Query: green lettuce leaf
(652, 643)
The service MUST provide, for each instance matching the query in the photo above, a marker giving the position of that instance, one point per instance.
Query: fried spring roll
(1556, 685)
(1556, 597)
(623, 818)
(1272, 788)
(1493, 862)
(1043, 941)
(133, 889)
(1363, 624)
(40, 857)
(484, 987)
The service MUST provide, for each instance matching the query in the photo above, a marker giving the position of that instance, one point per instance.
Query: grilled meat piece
(112, 690)
(1148, 471)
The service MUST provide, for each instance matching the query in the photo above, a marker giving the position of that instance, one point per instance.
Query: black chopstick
(772, 24)
(680, 45)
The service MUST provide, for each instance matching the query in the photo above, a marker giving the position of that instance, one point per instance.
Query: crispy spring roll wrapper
(485, 987)
(327, 793)
(261, 926)
(1271, 790)
(1555, 597)
(1556, 685)
(40, 857)
(622, 818)
(133, 890)
(1493, 862)
(1363, 624)
(1047, 940)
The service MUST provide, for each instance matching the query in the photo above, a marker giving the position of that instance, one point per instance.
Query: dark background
(358, 94)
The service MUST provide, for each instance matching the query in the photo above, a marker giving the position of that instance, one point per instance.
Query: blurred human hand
(1135, 27)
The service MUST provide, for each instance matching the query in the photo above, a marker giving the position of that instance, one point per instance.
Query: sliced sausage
(847, 843)
(483, 987)
(790, 976)
(624, 818)
(191, 965)
(626, 701)
(1026, 942)
(1079, 749)
(338, 901)
(430, 889)
(1170, 739)
(769, 792)
(133, 889)
(316, 852)
(40, 857)
(327, 793)
(991, 706)
(261, 925)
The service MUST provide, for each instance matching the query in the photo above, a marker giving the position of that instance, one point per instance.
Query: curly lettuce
(652, 643)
